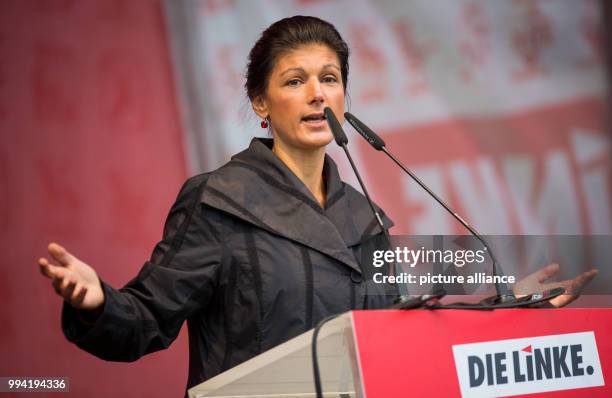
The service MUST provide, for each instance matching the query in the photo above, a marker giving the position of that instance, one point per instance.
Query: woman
(259, 250)
(255, 252)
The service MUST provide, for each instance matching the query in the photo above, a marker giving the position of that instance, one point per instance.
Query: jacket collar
(257, 187)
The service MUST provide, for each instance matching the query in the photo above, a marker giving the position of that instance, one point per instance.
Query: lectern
(436, 353)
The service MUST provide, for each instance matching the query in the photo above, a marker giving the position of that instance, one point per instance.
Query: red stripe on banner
(572, 134)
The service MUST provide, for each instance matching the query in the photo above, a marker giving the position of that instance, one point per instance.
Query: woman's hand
(72, 279)
(534, 283)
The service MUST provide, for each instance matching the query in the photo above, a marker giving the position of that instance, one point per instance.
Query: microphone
(505, 295)
(334, 125)
(341, 140)
(370, 136)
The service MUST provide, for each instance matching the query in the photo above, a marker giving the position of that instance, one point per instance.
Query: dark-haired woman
(259, 250)
(255, 252)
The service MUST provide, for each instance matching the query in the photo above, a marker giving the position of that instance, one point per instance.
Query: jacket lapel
(258, 188)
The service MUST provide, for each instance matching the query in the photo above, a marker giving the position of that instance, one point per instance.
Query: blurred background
(107, 106)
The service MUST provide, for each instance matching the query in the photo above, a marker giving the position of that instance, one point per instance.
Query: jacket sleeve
(146, 315)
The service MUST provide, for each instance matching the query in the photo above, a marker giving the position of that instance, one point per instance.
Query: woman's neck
(307, 165)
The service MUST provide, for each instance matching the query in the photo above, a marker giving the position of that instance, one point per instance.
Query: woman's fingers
(547, 272)
(64, 283)
(575, 286)
(77, 300)
(50, 270)
(76, 282)
(60, 279)
(572, 286)
(56, 285)
(587, 276)
(60, 254)
(43, 267)
(68, 290)
(562, 300)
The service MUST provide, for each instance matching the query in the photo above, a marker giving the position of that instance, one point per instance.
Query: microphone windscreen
(335, 127)
(370, 136)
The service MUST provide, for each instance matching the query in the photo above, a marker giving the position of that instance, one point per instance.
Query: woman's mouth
(315, 120)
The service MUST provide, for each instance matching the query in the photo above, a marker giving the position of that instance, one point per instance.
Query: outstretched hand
(535, 283)
(72, 279)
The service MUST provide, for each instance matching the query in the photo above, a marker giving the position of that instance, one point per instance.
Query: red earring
(264, 124)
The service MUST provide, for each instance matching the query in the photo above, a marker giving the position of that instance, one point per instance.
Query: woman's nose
(315, 91)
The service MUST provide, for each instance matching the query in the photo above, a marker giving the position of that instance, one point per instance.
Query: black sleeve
(180, 278)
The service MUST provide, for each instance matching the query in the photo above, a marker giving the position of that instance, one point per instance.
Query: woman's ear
(260, 107)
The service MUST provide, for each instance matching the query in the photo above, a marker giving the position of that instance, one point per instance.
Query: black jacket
(249, 259)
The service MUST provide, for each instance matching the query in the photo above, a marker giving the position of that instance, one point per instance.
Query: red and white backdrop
(106, 106)
(500, 106)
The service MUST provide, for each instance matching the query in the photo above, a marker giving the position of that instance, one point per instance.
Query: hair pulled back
(289, 34)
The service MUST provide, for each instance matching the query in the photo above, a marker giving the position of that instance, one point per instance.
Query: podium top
(286, 370)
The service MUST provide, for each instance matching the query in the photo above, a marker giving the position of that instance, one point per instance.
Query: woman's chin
(309, 140)
(319, 139)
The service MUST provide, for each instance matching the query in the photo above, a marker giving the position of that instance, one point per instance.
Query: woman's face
(302, 83)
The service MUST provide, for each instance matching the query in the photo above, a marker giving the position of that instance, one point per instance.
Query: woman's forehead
(307, 57)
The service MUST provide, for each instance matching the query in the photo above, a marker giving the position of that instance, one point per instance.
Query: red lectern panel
(448, 353)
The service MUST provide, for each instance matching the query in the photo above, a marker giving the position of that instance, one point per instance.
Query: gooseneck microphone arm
(342, 140)
(378, 143)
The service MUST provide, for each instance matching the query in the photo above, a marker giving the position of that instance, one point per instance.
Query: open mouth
(314, 118)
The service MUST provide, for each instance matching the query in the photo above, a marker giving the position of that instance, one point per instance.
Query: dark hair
(286, 35)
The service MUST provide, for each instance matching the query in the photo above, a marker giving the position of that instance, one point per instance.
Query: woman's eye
(330, 79)
(293, 82)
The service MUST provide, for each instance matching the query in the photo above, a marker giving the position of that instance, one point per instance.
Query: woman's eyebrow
(301, 70)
